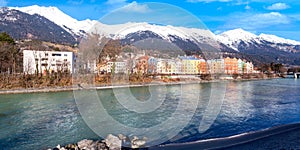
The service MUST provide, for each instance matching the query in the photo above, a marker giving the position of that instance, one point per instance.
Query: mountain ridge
(22, 25)
(236, 42)
(55, 15)
(52, 14)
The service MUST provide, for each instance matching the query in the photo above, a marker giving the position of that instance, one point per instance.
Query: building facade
(116, 67)
(202, 67)
(142, 64)
(231, 65)
(249, 68)
(190, 64)
(152, 65)
(47, 61)
(215, 66)
(241, 66)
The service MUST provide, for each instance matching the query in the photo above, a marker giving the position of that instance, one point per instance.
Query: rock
(84, 144)
(71, 147)
(122, 137)
(58, 146)
(138, 143)
(126, 142)
(101, 145)
(113, 142)
(110, 143)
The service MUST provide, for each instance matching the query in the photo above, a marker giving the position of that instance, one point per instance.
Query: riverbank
(280, 137)
(110, 86)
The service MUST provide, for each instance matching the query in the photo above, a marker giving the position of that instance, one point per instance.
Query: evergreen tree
(9, 54)
(4, 37)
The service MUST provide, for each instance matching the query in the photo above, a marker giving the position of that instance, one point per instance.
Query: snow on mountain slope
(233, 38)
(119, 31)
(55, 15)
(76, 27)
(276, 39)
(238, 34)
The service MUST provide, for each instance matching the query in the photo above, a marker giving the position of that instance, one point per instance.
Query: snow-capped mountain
(261, 48)
(237, 42)
(239, 37)
(233, 38)
(168, 32)
(79, 28)
(55, 15)
(22, 26)
(276, 39)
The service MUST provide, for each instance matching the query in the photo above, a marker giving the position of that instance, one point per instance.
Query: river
(44, 120)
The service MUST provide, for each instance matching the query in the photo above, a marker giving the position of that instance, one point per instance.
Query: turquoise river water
(44, 120)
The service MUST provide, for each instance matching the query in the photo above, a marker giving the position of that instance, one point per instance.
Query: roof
(188, 58)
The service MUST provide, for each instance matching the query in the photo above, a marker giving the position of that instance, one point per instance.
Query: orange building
(231, 65)
(202, 67)
(142, 64)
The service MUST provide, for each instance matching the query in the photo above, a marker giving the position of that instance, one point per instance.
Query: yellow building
(190, 64)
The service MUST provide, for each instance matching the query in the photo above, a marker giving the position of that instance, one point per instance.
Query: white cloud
(135, 7)
(278, 6)
(247, 7)
(257, 21)
(112, 2)
(3, 3)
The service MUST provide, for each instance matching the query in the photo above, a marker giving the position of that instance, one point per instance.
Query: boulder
(113, 142)
(126, 142)
(138, 143)
(101, 145)
(71, 147)
(84, 144)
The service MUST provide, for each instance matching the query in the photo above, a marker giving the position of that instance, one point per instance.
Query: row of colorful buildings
(190, 65)
(52, 61)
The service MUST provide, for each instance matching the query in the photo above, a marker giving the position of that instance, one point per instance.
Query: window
(65, 54)
(56, 54)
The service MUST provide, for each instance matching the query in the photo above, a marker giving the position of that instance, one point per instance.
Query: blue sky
(277, 17)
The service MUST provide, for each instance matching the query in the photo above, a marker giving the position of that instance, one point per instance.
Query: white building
(248, 68)
(168, 66)
(216, 66)
(241, 68)
(90, 66)
(52, 61)
(119, 67)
